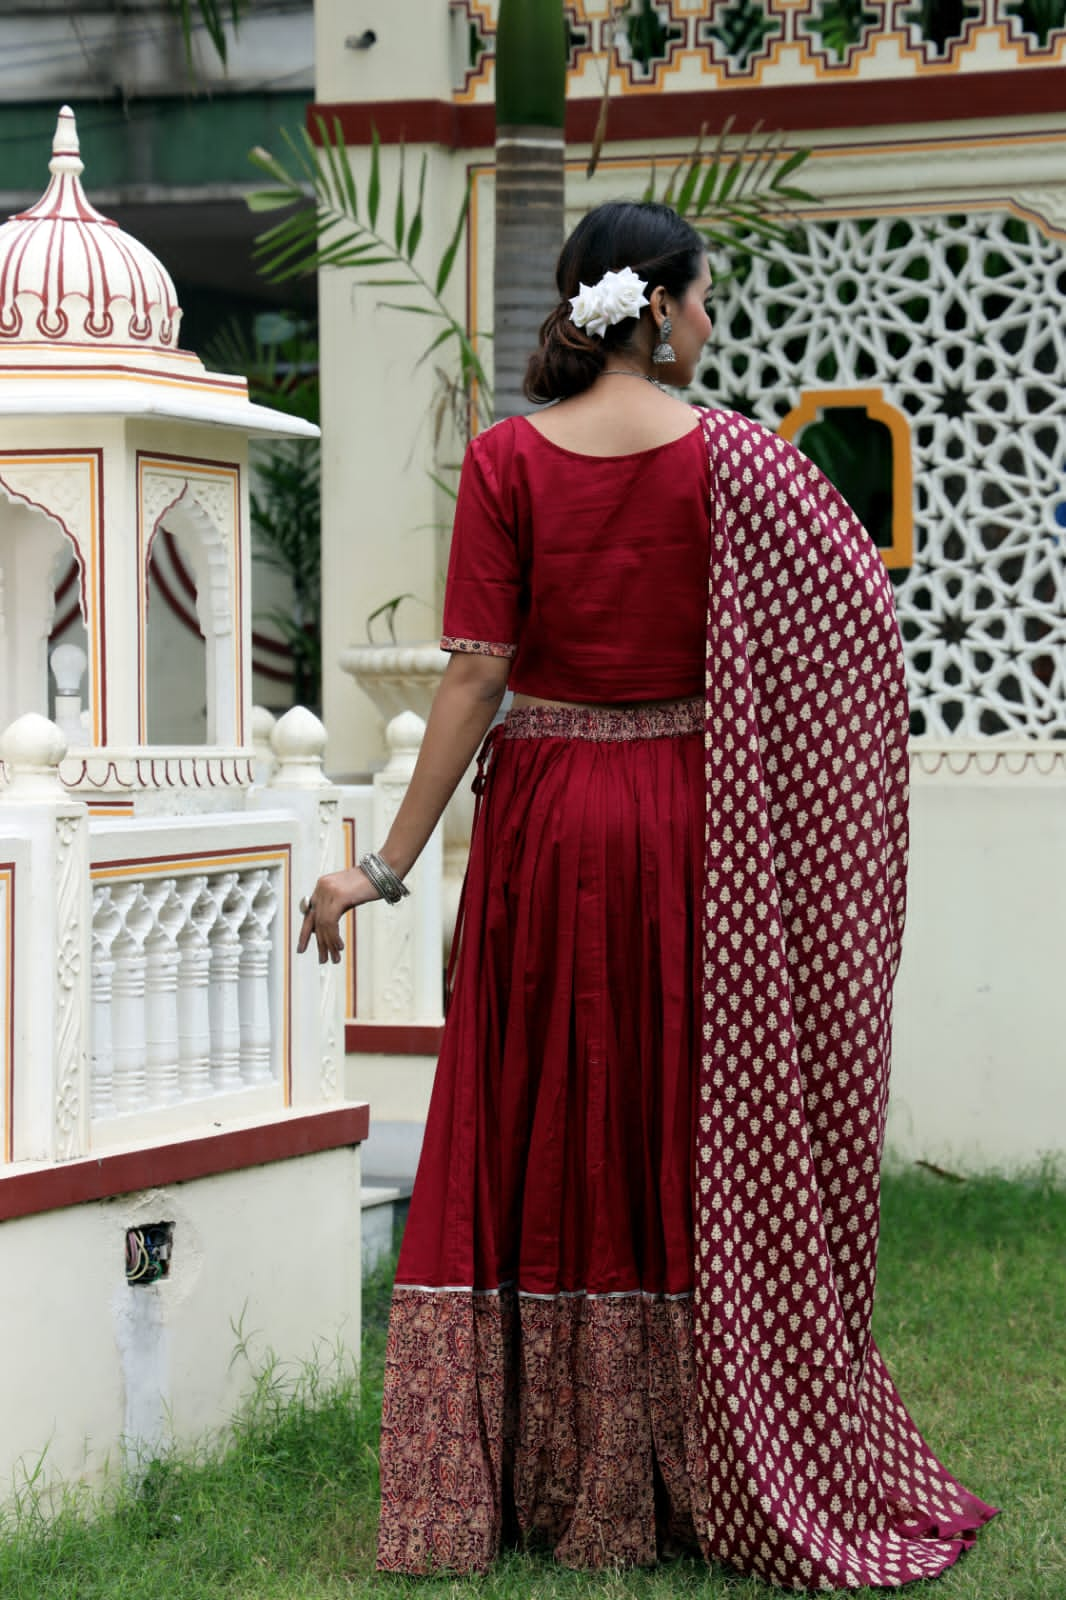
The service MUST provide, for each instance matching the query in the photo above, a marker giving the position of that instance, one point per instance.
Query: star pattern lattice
(958, 320)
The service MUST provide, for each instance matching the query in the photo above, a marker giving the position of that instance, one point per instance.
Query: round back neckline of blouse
(623, 455)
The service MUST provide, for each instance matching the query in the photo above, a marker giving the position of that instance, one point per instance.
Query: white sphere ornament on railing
(299, 743)
(31, 750)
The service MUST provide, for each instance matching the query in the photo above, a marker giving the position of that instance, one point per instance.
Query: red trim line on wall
(391, 1039)
(73, 1183)
(928, 97)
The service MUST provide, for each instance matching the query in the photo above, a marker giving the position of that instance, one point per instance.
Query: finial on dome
(66, 151)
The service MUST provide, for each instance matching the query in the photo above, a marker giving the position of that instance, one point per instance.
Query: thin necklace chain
(617, 372)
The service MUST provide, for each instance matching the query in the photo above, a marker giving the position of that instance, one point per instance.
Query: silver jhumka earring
(664, 351)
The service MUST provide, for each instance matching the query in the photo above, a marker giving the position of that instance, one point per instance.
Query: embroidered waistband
(660, 721)
(532, 1294)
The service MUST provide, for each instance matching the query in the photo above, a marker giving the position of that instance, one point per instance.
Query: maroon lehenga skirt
(539, 1379)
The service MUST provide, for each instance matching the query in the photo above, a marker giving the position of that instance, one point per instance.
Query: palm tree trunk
(530, 111)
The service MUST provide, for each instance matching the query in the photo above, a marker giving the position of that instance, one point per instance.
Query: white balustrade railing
(192, 971)
(183, 976)
(150, 980)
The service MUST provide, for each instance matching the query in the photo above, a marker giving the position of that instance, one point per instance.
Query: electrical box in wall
(148, 1252)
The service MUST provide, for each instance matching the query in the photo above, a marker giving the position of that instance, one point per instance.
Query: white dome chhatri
(70, 276)
(89, 320)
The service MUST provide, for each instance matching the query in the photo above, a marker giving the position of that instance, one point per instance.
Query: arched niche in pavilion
(36, 551)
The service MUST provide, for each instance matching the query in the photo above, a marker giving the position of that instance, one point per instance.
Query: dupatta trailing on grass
(816, 1476)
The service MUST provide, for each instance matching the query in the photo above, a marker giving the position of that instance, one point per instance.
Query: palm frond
(212, 14)
(739, 197)
(329, 227)
(281, 373)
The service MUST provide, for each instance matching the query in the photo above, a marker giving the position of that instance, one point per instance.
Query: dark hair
(652, 239)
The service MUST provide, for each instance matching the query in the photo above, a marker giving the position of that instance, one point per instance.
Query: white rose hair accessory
(617, 295)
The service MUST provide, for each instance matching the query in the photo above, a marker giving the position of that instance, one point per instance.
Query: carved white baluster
(194, 1016)
(161, 993)
(225, 890)
(106, 924)
(127, 997)
(256, 1033)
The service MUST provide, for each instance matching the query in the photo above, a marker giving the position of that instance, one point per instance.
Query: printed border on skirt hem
(566, 1423)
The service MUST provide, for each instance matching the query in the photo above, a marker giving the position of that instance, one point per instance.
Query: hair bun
(567, 361)
(649, 239)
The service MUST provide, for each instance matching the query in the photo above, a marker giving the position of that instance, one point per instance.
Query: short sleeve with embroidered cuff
(482, 609)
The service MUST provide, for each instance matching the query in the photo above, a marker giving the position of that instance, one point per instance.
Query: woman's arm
(463, 707)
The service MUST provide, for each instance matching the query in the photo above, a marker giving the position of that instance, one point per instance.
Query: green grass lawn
(971, 1312)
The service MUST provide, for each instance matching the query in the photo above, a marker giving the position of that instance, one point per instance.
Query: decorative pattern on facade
(977, 759)
(113, 772)
(688, 44)
(958, 318)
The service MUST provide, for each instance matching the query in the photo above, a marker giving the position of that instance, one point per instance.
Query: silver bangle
(389, 886)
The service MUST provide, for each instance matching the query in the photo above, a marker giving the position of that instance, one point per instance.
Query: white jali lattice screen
(958, 320)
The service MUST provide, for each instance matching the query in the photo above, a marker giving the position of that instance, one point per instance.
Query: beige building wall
(384, 520)
(979, 1059)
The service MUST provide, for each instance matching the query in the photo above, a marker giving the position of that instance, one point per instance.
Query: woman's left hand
(334, 895)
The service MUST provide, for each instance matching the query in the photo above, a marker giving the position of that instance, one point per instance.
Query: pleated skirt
(539, 1382)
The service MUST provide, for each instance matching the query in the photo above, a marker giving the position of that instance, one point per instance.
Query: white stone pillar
(55, 946)
(300, 788)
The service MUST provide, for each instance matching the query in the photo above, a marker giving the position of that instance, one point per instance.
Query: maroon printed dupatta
(817, 1477)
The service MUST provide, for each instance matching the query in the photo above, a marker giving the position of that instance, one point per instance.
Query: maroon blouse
(591, 571)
